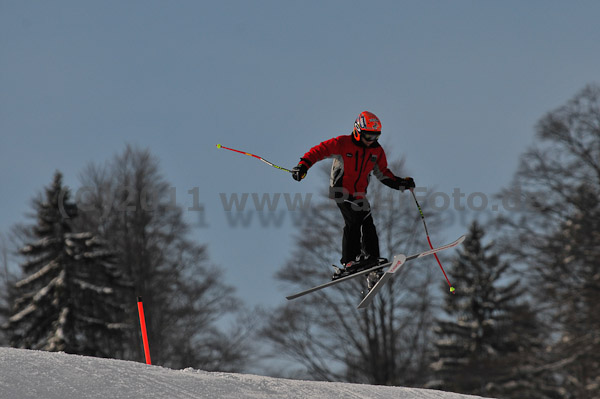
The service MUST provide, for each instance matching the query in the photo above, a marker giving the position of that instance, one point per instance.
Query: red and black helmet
(367, 125)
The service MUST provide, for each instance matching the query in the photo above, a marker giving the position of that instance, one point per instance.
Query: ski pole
(255, 156)
(429, 240)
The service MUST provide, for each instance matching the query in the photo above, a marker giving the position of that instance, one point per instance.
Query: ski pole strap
(255, 156)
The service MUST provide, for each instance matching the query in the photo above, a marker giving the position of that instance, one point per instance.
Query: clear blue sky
(458, 86)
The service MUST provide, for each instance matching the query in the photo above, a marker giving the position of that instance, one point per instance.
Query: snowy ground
(44, 375)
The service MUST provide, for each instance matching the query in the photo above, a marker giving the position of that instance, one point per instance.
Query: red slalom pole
(452, 290)
(143, 327)
(255, 156)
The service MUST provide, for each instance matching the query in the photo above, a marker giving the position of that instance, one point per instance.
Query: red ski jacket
(353, 163)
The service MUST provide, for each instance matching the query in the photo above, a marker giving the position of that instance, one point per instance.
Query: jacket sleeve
(321, 151)
(385, 175)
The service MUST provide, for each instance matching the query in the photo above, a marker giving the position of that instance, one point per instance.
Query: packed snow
(49, 375)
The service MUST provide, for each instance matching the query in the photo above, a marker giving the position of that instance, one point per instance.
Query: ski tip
(218, 145)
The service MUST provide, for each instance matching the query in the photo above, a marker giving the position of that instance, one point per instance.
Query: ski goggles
(370, 136)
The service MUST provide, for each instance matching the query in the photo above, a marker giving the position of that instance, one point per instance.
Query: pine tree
(485, 341)
(6, 284)
(69, 297)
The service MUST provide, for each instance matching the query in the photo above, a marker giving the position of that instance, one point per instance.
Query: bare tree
(554, 232)
(130, 204)
(325, 333)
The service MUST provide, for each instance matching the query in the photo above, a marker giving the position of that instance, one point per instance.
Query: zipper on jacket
(362, 164)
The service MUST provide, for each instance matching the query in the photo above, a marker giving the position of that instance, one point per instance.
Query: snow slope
(45, 375)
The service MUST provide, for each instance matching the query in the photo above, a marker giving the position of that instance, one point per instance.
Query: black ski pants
(360, 234)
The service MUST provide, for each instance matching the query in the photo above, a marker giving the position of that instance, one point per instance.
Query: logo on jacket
(349, 154)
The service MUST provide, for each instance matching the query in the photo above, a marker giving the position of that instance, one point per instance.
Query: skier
(355, 156)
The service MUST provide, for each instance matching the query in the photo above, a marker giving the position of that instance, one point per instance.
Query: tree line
(525, 319)
(81, 273)
(523, 322)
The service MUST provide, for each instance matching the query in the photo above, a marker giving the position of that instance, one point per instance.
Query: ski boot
(361, 263)
(373, 278)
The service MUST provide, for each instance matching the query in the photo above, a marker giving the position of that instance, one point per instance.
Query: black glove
(299, 172)
(405, 183)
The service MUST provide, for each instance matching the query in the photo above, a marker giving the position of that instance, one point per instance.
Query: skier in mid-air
(355, 156)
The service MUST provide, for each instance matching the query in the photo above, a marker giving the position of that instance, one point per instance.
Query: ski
(339, 280)
(438, 249)
(374, 268)
(397, 263)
